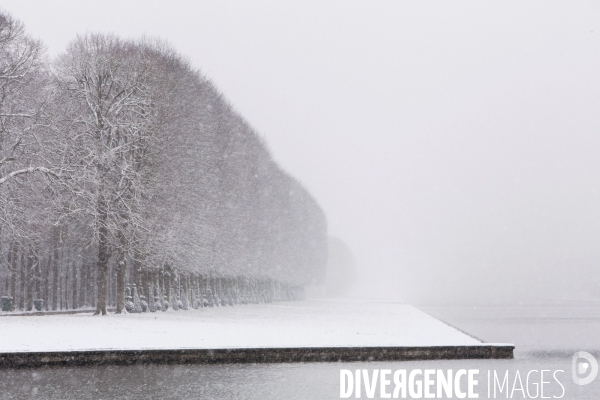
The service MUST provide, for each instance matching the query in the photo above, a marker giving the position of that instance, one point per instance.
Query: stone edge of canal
(252, 355)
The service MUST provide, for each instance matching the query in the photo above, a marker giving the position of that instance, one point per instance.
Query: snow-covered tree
(101, 82)
(144, 175)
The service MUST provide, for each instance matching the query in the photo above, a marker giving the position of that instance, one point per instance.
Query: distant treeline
(121, 164)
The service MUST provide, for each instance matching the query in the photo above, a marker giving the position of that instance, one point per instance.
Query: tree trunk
(82, 284)
(103, 256)
(38, 276)
(29, 279)
(185, 295)
(47, 282)
(168, 288)
(22, 282)
(88, 284)
(13, 272)
(55, 272)
(148, 288)
(111, 282)
(139, 273)
(8, 270)
(133, 273)
(160, 285)
(74, 287)
(68, 264)
(189, 291)
(121, 267)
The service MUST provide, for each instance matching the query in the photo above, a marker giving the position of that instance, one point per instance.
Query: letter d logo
(581, 368)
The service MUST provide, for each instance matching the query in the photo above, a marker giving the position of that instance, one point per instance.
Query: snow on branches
(121, 164)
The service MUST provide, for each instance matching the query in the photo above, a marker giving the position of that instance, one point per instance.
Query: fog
(453, 146)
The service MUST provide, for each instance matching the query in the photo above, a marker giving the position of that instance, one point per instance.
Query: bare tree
(102, 80)
(143, 163)
(22, 100)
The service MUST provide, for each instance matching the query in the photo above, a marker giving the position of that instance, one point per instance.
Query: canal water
(546, 335)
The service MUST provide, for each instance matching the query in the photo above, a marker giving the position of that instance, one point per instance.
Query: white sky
(453, 145)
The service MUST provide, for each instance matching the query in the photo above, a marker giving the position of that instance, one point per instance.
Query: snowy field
(545, 335)
(311, 323)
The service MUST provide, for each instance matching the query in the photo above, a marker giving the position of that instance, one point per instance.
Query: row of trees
(119, 160)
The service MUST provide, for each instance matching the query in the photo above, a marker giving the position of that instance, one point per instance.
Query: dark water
(546, 337)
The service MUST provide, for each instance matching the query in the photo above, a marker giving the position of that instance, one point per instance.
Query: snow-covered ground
(311, 323)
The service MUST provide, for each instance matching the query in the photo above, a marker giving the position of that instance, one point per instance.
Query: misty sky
(454, 146)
